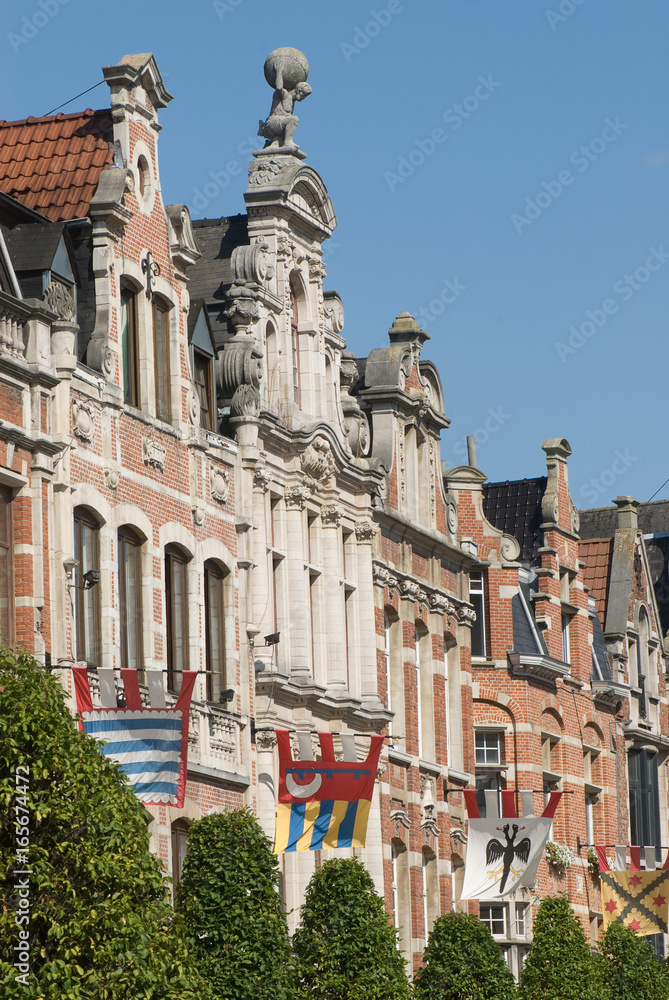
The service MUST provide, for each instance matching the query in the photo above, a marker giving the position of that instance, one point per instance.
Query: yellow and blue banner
(323, 804)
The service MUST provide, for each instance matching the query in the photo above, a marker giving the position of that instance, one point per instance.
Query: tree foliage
(229, 903)
(345, 947)
(101, 924)
(629, 968)
(560, 965)
(463, 962)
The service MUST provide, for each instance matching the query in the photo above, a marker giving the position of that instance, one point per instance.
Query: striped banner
(323, 804)
(150, 744)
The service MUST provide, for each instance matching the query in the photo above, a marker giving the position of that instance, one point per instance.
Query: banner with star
(635, 898)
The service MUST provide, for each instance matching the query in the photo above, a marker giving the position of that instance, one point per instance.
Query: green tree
(629, 967)
(345, 947)
(463, 962)
(232, 911)
(560, 965)
(101, 924)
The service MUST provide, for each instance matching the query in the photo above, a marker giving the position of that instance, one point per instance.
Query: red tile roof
(596, 554)
(53, 164)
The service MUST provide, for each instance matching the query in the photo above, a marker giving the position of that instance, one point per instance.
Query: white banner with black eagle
(503, 854)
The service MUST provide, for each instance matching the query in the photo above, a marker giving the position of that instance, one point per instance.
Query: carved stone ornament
(193, 407)
(382, 577)
(509, 548)
(349, 373)
(219, 484)
(153, 454)
(400, 819)
(112, 478)
(356, 424)
(83, 421)
(245, 402)
(261, 478)
(317, 460)
(451, 516)
(198, 515)
(285, 248)
(466, 616)
(297, 496)
(265, 739)
(238, 364)
(316, 268)
(243, 309)
(575, 517)
(286, 71)
(254, 263)
(441, 604)
(550, 507)
(59, 300)
(332, 514)
(411, 590)
(366, 530)
(334, 310)
(264, 171)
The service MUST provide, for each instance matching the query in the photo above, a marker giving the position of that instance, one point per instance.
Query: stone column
(364, 533)
(335, 623)
(298, 596)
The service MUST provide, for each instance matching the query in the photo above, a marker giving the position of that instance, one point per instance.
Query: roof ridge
(31, 120)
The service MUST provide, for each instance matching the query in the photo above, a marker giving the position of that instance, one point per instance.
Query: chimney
(628, 513)
(471, 451)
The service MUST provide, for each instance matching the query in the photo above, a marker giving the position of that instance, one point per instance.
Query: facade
(196, 473)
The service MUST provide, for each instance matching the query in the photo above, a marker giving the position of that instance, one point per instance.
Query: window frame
(203, 363)
(84, 597)
(295, 346)
(490, 920)
(217, 680)
(161, 339)
(177, 655)
(129, 346)
(129, 540)
(477, 598)
(179, 834)
(6, 498)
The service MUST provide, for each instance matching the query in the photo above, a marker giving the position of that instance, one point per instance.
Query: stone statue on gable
(286, 70)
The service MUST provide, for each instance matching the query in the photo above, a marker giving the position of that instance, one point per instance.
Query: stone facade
(197, 473)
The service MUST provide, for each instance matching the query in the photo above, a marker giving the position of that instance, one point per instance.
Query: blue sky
(498, 168)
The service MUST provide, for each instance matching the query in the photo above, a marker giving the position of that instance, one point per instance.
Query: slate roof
(33, 247)
(53, 164)
(596, 553)
(524, 637)
(600, 522)
(211, 275)
(515, 508)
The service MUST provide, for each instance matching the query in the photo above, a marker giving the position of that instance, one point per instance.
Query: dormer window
(203, 382)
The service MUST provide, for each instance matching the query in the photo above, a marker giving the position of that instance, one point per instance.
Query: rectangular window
(130, 599)
(419, 714)
(477, 600)
(176, 606)
(520, 919)
(494, 916)
(204, 383)
(214, 617)
(129, 347)
(161, 360)
(644, 799)
(179, 849)
(386, 658)
(488, 748)
(565, 638)
(87, 601)
(6, 575)
(590, 818)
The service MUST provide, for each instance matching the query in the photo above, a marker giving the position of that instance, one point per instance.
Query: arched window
(130, 598)
(179, 849)
(87, 593)
(295, 344)
(272, 363)
(214, 616)
(176, 615)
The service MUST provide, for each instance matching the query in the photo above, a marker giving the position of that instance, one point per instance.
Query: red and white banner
(503, 854)
(150, 744)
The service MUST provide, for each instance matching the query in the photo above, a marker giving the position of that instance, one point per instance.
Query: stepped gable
(53, 164)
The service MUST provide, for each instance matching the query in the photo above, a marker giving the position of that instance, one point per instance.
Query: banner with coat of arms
(633, 897)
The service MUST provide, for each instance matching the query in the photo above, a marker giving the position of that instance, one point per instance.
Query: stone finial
(405, 329)
(628, 513)
(286, 70)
